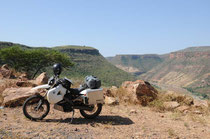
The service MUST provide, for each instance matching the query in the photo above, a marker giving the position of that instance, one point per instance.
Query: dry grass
(198, 118)
(171, 133)
(158, 106)
(186, 125)
(181, 99)
(176, 116)
(125, 97)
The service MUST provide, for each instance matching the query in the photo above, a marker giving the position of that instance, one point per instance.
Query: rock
(171, 105)
(23, 77)
(16, 96)
(111, 92)
(41, 79)
(6, 83)
(5, 66)
(25, 84)
(111, 101)
(197, 112)
(140, 91)
(200, 103)
(5, 72)
(189, 101)
(133, 111)
(1, 100)
(108, 93)
(182, 108)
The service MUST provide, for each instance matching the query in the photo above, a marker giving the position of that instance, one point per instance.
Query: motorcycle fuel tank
(56, 94)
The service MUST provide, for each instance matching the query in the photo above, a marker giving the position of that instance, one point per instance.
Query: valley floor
(114, 122)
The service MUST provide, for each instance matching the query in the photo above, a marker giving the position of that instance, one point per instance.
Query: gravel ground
(114, 122)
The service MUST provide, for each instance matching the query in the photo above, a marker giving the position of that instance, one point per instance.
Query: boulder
(23, 77)
(5, 72)
(140, 91)
(16, 96)
(25, 84)
(41, 79)
(111, 101)
(6, 83)
(5, 66)
(171, 105)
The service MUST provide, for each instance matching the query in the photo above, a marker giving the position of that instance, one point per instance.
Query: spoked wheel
(36, 108)
(96, 110)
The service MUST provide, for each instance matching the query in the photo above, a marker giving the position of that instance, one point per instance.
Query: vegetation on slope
(91, 62)
(87, 61)
(73, 47)
(32, 61)
(196, 49)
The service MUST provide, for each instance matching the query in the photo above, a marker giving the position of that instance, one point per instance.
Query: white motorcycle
(88, 98)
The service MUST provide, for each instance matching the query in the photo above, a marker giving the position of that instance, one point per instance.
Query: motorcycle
(88, 99)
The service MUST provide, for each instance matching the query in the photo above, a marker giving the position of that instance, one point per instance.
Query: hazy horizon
(112, 27)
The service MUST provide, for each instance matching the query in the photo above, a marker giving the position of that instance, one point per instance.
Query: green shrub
(32, 61)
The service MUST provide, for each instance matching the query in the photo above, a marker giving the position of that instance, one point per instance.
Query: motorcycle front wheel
(36, 108)
(93, 113)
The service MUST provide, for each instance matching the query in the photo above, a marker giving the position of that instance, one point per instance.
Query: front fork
(41, 101)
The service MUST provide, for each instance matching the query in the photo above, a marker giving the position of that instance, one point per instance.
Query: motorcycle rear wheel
(93, 113)
(36, 108)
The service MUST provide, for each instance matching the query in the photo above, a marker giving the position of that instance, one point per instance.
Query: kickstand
(72, 116)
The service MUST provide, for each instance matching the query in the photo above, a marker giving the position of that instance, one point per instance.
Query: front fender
(45, 86)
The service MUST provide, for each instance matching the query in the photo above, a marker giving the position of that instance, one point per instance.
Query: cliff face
(183, 55)
(73, 50)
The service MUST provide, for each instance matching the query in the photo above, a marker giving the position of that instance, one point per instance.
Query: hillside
(88, 61)
(188, 68)
(136, 64)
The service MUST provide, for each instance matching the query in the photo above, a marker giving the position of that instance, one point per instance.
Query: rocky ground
(114, 122)
(165, 115)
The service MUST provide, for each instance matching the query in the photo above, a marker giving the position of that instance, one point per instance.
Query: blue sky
(112, 26)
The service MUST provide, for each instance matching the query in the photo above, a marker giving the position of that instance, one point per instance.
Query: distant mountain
(136, 64)
(188, 68)
(196, 49)
(10, 44)
(88, 61)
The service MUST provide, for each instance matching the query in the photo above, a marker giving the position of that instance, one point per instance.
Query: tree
(32, 61)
